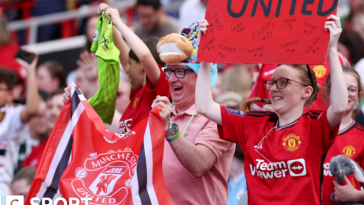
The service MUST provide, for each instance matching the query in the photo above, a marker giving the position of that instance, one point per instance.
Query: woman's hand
(203, 28)
(166, 110)
(334, 26)
(109, 13)
(268, 108)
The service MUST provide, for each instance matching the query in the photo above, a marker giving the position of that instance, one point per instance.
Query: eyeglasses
(353, 90)
(178, 72)
(308, 73)
(280, 83)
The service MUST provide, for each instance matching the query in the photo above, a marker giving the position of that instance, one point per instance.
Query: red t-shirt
(141, 102)
(349, 142)
(285, 168)
(36, 155)
(321, 71)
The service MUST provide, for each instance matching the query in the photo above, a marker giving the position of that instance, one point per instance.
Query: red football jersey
(281, 164)
(141, 102)
(321, 71)
(349, 142)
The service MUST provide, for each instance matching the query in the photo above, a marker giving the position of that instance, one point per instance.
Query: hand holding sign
(335, 29)
(274, 31)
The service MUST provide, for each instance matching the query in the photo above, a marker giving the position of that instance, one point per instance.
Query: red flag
(84, 160)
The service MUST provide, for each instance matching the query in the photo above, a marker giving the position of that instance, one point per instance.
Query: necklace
(188, 122)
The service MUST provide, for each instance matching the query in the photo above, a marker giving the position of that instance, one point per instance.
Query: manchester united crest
(135, 102)
(349, 151)
(106, 177)
(292, 142)
(320, 71)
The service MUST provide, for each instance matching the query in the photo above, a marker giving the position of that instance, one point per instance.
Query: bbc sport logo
(19, 200)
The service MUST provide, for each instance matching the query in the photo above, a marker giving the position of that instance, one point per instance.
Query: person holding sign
(283, 149)
(196, 162)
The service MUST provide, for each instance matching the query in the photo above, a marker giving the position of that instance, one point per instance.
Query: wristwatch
(172, 130)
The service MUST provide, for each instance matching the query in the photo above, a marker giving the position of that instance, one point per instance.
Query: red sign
(266, 31)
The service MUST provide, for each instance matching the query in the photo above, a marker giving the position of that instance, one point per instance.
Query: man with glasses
(196, 162)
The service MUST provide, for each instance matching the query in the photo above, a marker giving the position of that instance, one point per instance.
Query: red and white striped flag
(84, 160)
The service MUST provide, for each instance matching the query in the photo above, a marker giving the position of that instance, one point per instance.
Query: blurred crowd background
(61, 32)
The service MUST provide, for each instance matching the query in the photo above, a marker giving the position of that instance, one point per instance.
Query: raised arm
(136, 44)
(123, 48)
(32, 96)
(339, 93)
(205, 105)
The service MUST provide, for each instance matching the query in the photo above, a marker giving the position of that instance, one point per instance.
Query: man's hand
(166, 110)
(346, 193)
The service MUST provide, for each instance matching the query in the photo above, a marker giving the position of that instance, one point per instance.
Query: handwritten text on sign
(266, 31)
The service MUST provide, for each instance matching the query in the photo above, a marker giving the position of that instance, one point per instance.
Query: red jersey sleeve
(258, 88)
(162, 88)
(320, 130)
(232, 128)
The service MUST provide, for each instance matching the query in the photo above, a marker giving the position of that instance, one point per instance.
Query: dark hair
(354, 43)
(305, 79)
(88, 44)
(156, 4)
(327, 90)
(56, 92)
(55, 69)
(239, 153)
(8, 77)
(151, 43)
(27, 173)
(43, 95)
